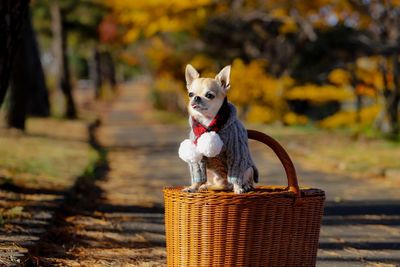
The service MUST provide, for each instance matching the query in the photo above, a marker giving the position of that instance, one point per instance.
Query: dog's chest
(217, 164)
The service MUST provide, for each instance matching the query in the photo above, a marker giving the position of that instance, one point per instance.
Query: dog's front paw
(190, 189)
(240, 189)
(203, 187)
(248, 187)
(193, 188)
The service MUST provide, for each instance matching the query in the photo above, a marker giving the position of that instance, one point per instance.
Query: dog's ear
(223, 77)
(190, 74)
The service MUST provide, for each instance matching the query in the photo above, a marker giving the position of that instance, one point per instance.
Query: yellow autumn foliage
(252, 89)
(202, 62)
(292, 118)
(166, 83)
(248, 82)
(129, 58)
(260, 113)
(146, 18)
(289, 26)
(367, 70)
(279, 12)
(157, 52)
(261, 96)
(258, 92)
(251, 84)
(348, 118)
(319, 93)
(365, 90)
(339, 77)
(168, 94)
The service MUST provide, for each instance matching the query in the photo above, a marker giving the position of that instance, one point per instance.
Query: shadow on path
(365, 232)
(88, 229)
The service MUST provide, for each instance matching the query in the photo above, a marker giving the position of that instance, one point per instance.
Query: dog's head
(206, 94)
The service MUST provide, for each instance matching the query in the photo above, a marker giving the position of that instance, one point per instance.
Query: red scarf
(216, 124)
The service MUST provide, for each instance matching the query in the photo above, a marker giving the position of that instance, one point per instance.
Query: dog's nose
(197, 98)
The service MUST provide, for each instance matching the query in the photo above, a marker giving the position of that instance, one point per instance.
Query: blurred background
(326, 64)
(322, 76)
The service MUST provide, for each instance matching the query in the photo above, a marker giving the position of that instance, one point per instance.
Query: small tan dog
(217, 151)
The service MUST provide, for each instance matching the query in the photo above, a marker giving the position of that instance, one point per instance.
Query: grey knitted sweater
(234, 158)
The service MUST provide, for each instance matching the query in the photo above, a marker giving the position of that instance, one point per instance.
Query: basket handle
(283, 156)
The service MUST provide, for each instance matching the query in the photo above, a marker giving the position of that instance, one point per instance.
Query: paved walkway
(125, 225)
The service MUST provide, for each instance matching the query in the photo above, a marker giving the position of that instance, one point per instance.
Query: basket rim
(259, 191)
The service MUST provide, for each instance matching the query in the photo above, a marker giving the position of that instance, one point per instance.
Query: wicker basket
(270, 226)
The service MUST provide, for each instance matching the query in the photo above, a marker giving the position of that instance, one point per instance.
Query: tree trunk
(60, 55)
(109, 69)
(19, 92)
(359, 106)
(11, 22)
(381, 122)
(39, 104)
(21, 81)
(393, 100)
(359, 99)
(95, 72)
(28, 89)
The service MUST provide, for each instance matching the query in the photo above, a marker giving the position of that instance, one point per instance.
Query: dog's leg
(247, 183)
(217, 176)
(216, 181)
(198, 175)
(210, 178)
(248, 180)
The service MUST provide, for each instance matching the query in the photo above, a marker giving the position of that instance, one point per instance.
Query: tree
(21, 80)
(28, 92)
(39, 104)
(12, 14)
(378, 26)
(147, 18)
(102, 69)
(95, 72)
(107, 67)
(303, 39)
(61, 58)
(80, 22)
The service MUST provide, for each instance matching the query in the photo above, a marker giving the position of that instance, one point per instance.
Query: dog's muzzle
(197, 99)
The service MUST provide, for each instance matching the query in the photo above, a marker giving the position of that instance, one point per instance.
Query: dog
(217, 150)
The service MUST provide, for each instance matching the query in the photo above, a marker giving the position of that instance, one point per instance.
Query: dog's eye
(191, 94)
(210, 96)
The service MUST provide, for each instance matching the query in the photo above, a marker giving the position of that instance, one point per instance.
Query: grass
(338, 151)
(51, 154)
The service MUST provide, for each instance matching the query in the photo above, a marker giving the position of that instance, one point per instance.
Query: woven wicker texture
(270, 226)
